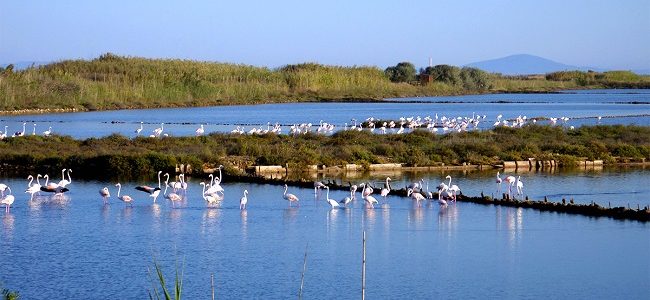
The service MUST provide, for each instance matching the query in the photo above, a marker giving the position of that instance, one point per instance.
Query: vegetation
(118, 156)
(116, 82)
(612, 79)
(6, 294)
(160, 278)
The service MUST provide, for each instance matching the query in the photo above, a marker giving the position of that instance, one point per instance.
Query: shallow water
(583, 107)
(79, 248)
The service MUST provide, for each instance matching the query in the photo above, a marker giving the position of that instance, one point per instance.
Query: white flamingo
(510, 181)
(65, 182)
(33, 188)
(105, 193)
(173, 197)
(453, 188)
(520, 186)
(415, 195)
(8, 200)
(125, 198)
(137, 131)
(48, 132)
(20, 133)
(370, 200)
(318, 185)
(158, 131)
(290, 197)
(498, 182)
(348, 199)
(331, 202)
(386, 189)
(199, 131)
(210, 199)
(243, 201)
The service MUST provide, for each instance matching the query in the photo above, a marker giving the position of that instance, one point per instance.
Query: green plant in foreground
(8, 294)
(178, 284)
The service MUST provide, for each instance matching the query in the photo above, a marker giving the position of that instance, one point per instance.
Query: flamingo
(20, 133)
(243, 201)
(210, 199)
(290, 197)
(199, 131)
(520, 186)
(34, 129)
(215, 183)
(48, 132)
(415, 195)
(4, 133)
(348, 199)
(105, 193)
(33, 188)
(64, 182)
(453, 188)
(510, 180)
(3, 188)
(152, 191)
(158, 131)
(367, 190)
(386, 189)
(171, 196)
(498, 182)
(137, 131)
(125, 198)
(331, 202)
(318, 185)
(353, 191)
(8, 200)
(369, 199)
(52, 187)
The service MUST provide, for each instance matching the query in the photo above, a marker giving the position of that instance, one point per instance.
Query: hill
(522, 64)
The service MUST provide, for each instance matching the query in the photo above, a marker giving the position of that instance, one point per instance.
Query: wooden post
(363, 268)
(302, 276)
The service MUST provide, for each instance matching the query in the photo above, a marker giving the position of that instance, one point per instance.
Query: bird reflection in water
(289, 214)
(8, 223)
(416, 215)
(332, 215)
(385, 215)
(371, 217)
(210, 219)
(448, 216)
(127, 212)
(156, 210)
(244, 224)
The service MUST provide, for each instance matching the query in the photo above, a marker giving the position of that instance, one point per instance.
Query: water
(583, 107)
(80, 249)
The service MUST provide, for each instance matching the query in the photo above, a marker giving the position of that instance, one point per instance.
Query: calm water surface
(615, 106)
(80, 249)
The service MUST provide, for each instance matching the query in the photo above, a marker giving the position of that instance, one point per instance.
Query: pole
(302, 276)
(363, 268)
(212, 284)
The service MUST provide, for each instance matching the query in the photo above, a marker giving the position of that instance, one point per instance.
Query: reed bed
(119, 156)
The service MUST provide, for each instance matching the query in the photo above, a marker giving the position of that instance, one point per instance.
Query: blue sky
(609, 34)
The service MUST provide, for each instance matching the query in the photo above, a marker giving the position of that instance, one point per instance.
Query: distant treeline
(115, 82)
(116, 156)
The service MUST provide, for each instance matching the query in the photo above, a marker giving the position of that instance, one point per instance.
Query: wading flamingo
(152, 191)
(290, 197)
(105, 193)
(386, 189)
(331, 202)
(125, 198)
(499, 182)
(243, 201)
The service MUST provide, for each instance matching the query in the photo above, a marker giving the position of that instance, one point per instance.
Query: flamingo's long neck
(327, 195)
(38, 181)
(69, 177)
(47, 178)
(449, 180)
(158, 179)
(63, 174)
(119, 188)
(285, 190)
(31, 179)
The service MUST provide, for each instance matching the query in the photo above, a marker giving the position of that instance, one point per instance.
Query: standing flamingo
(64, 182)
(318, 185)
(370, 200)
(243, 201)
(331, 202)
(416, 196)
(48, 132)
(8, 200)
(125, 198)
(33, 188)
(210, 199)
(290, 197)
(137, 131)
(348, 199)
(199, 131)
(386, 189)
(453, 188)
(520, 186)
(105, 193)
(510, 180)
(498, 182)
(173, 197)
(158, 131)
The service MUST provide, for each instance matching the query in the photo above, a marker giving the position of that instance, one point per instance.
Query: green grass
(116, 82)
(119, 156)
(161, 291)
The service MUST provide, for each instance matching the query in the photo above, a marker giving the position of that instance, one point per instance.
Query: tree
(444, 73)
(474, 79)
(402, 72)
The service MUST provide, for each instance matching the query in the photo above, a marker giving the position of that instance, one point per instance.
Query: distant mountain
(522, 64)
(21, 65)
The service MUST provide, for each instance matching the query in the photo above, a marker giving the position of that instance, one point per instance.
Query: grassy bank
(115, 82)
(118, 156)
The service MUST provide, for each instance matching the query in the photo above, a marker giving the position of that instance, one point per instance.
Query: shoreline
(40, 111)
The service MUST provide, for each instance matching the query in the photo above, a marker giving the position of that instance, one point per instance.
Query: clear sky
(609, 34)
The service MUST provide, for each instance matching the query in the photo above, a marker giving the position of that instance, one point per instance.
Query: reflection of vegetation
(120, 156)
(113, 82)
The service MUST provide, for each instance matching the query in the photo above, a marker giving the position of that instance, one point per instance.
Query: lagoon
(582, 107)
(80, 248)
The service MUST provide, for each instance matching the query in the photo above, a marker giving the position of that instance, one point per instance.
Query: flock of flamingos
(213, 193)
(434, 124)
